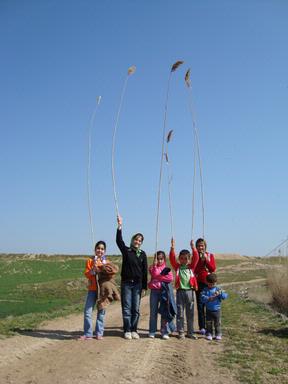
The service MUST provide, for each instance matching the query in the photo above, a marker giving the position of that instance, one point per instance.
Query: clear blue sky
(57, 56)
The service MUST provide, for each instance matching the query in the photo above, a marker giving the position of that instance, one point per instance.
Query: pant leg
(99, 330)
(180, 302)
(189, 309)
(126, 304)
(154, 305)
(217, 323)
(135, 309)
(209, 323)
(88, 310)
(200, 306)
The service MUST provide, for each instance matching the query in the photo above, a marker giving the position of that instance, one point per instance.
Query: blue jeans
(166, 327)
(89, 306)
(130, 302)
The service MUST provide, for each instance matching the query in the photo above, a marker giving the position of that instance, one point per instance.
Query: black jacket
(134, 268)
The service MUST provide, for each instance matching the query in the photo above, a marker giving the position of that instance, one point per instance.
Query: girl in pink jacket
(159, 264)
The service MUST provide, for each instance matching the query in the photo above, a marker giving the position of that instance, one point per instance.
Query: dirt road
(52, 354)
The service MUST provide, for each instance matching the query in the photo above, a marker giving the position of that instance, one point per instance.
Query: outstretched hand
(172, 243)
(192, 245)
(119, 221)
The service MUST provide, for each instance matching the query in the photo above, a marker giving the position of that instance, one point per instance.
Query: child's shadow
(59, 334)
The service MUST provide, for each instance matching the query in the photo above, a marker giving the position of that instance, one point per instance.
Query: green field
(38, 289)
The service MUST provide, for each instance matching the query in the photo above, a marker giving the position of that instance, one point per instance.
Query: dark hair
(158, 253)
(99, 243)
(201, 241)
(184, 252)
(211, 278)
(137, 234)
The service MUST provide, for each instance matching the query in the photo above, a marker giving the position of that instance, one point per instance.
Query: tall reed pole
(130, 71)
(90, 128)
(196, 146)
(173, 69)
(169, 177)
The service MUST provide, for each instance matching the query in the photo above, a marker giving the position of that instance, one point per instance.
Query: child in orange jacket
(93, 267)
(185, 284)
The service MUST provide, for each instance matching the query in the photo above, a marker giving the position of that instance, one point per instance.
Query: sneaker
(192, 336)
(181, 336)
(202, 331)
(135, 335)
(218, 337)
(209, 337)
(99, 337)
(151, 336)
(165, 337)
(83, 337)
(127, 336)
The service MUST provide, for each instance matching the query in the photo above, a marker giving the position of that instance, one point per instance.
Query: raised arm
(119, 239)
(172, 256)
(195, 256)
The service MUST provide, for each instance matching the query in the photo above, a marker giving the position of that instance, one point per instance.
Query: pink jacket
(156, 278)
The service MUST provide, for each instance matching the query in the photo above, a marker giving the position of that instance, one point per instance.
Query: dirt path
(52, 354)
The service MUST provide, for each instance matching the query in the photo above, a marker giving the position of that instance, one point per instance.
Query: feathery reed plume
(130, 71)
(173, 69)
(196, 150)
(92, 119)
(176, 65)
(169, 136)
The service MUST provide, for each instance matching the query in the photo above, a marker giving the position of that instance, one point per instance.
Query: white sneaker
(135, 335)
(151, 336)
(127, 336)
(165, 337)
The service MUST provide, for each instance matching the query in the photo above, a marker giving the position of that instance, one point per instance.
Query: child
(93, 267)
(157, 270)
(185, 284)
(212, 297)
(206, 264)
(133, 280)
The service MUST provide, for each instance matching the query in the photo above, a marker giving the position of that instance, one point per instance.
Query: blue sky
(57, 56)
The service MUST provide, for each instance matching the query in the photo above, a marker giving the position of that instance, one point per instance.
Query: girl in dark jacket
(133, 280)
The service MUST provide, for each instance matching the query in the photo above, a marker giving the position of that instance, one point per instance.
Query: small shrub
(278, 285)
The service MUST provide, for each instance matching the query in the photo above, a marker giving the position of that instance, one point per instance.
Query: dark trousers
(200, 306)
(213, 318)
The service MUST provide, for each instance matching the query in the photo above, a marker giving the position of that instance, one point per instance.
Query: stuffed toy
(107, 286)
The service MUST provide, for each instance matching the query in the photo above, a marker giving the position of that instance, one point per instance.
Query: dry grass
(278, 285)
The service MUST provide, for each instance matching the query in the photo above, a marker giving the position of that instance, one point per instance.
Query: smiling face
(201, 247)
(137, 241)
(100, 250)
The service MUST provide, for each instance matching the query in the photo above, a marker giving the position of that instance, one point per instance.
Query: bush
(278, 285)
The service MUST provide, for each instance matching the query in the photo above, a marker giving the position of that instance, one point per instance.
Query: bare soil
(53, 354)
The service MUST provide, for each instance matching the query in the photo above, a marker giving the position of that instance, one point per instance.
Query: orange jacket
(91, 276)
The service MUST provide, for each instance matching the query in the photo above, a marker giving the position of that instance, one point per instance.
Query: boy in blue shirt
(212, 296)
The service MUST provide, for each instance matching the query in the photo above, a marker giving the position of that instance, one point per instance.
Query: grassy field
(32, 290)
(256, 342)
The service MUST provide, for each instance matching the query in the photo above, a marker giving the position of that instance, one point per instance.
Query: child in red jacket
(185, 284)
(206, 264)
